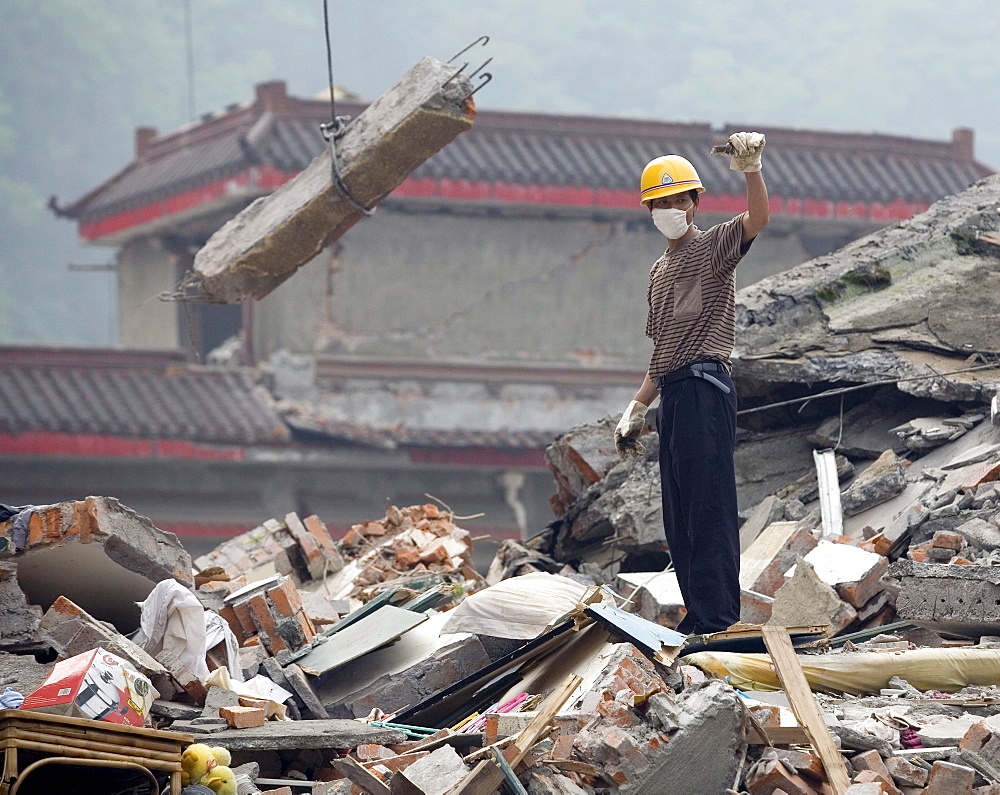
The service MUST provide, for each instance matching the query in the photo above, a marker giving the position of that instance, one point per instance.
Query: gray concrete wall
(145, 269)
(554, 289)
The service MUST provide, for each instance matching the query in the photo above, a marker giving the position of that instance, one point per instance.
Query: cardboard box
(95, 684)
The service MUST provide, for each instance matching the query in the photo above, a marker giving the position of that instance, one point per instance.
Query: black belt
(695, 370)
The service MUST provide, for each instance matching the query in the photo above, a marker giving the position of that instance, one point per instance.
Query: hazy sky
(79, 76)
(910, 67)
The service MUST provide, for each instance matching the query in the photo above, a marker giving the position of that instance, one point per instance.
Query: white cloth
(520, 607)
(173, 620)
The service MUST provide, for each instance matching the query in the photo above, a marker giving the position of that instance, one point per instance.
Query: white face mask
(672, 223)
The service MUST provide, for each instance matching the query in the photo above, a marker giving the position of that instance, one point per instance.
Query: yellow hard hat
(667, 175)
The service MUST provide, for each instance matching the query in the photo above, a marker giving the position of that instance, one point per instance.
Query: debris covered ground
(868, 660)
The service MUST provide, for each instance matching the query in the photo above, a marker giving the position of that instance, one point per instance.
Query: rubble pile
(867, 659)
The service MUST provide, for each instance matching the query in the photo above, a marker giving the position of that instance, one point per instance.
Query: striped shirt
(692, 299)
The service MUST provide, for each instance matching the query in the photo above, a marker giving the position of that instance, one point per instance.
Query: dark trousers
(697, 425)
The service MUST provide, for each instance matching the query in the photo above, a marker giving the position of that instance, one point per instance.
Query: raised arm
(747, 148)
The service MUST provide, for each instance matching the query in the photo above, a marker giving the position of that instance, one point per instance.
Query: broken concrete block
(960, 599)
(182, 675)
(853, 572)
(755, 608)
(544, 782)
(269, 240)
(773, 552)
(396, 689)
(980, 534)
(770, 776)
(879, 483)
(656, 596)
(304, 690)
(19, 626)
(946, 733)
(22, 672)
(72, 545)
(437, 772)
(579, 458)
(805, 600)
(950, 779)
(905, 773)
(705, 752)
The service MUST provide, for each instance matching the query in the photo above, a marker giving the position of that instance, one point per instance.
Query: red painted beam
(267, 178)
(48, 443)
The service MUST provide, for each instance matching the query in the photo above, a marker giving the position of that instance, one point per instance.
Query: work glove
(627, 432)
(746, 150)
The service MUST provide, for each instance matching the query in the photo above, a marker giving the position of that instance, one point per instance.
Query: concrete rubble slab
(19, 627)
(943, 597)
(806, 600)
(303, 734)
(889, 305)
(93, 549)
(277, 234)
(855, 573)
(656, 596)
(383, 626)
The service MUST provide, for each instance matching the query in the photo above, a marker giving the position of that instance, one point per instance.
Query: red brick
(242, 612)
(242, 717)
(872, 777)
(773, 776)
(307, 627)
(302, 536)
(949, 779)
(318, 530)
(905, 773)
(944, 540)
(264, 621)
(285, 598)
(618, 714)
(878, 544)
(975, 738)
(228, 613)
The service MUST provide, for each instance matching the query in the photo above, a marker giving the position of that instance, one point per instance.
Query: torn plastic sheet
(520, 608)
(863, 673)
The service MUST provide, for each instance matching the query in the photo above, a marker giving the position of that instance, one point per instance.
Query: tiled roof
(135, 395)
(282, 134)
(156, 395)
(314, 424)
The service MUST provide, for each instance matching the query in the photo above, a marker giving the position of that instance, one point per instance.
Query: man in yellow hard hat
(691, 321)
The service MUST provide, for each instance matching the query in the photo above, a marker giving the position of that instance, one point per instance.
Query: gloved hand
(747, 148)
(627, 432)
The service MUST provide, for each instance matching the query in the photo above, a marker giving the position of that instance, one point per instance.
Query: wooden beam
(803, 704)
(531, 733)
(486, 777)
(365, 779)
(269, 240)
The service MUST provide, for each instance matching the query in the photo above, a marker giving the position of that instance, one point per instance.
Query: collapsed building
(417, 354)
(867, 661)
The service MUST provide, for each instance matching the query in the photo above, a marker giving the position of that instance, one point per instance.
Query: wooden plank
(484, 779)
(365, 779)
(779, 735)
(531, 733)
(761, 554)
(277, 234)
(803, 704)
